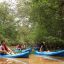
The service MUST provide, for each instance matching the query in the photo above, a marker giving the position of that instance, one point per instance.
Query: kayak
(18, 55)
(36, 48)
(54, 53)
(28, 49)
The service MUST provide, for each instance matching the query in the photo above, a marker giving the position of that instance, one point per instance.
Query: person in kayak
(19, 47)
(4, 48)
(44, 47)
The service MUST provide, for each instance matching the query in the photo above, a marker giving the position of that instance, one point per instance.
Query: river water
(33, 59)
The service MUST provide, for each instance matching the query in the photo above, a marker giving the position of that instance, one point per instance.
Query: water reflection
(11, 61)
(5, 61)
(32, 60)
(41, 60)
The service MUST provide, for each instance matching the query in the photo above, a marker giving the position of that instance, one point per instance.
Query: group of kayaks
(25, 53)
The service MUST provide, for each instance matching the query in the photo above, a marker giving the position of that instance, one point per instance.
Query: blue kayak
(36, 48)
(18, 55)
(56, 53)
(28, 49)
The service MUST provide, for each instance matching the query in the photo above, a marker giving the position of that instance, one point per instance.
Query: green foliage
(38, 21)
(7, 24)
(48, 14)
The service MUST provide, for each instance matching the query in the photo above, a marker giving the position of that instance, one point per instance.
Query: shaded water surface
(33, 60)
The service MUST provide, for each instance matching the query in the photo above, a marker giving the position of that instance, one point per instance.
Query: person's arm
(3, 51)
(10, 51)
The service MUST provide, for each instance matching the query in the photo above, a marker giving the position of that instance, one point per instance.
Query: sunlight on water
(32, 60)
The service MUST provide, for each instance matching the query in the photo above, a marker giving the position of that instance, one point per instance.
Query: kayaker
(19, 47)
(4, 48)
(43, 47)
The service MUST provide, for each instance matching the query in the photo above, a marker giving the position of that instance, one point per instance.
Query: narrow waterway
(33, 59)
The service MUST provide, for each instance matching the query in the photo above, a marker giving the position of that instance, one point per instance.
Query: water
(33, 60)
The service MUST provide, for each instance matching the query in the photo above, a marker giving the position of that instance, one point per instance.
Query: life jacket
(4, 47)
